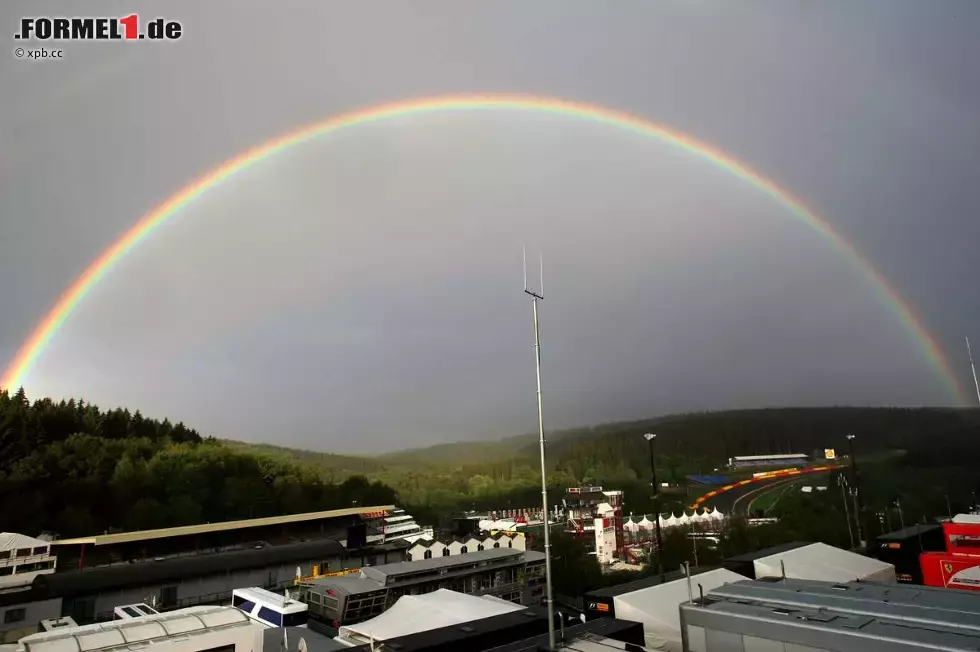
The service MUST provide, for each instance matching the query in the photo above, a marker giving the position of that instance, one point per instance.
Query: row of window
(463, 550)
(26, 568)
(23, 552)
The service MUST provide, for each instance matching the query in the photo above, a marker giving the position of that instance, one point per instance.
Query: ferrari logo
(948, 567)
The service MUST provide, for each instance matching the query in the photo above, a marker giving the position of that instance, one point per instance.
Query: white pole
(541, 441)
(544, 485)
(969, 354)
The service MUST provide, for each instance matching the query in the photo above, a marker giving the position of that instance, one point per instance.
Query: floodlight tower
(536, 296)
(650, 437)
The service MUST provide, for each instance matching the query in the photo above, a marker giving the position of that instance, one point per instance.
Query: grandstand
(755, 461)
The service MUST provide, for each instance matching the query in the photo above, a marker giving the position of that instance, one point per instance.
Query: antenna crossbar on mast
(539, 294)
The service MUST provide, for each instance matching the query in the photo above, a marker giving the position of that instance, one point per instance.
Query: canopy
(420, 613)
(13, 541)
(818, 561)
(657, 607)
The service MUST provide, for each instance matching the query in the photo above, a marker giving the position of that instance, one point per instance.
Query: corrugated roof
(909, 603)
(80, 582)
(891, 631)
(136, 631)
(346, 584)
(143, 535)
(909, 532)
(373, 578)
(408, 567)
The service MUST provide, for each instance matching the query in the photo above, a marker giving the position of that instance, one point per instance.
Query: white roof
(275, 600)
(818, 561)
(420, 613)
(12, 541)
(966, 518)
(657, 606)
(87, 638)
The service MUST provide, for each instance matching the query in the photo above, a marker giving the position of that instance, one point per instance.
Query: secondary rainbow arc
(28, 354)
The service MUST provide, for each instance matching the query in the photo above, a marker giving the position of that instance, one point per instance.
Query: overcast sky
(363, 292)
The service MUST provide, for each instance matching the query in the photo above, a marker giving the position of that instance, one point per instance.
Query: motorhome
(270, 609)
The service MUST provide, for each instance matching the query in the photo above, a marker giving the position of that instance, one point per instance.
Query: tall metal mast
(969, 354)
(535, 297)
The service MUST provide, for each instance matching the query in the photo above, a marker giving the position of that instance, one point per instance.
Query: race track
(734, 499)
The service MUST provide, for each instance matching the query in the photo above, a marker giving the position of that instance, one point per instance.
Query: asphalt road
(736, 501)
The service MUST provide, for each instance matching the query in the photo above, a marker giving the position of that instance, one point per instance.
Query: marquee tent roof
(412, 614)
(818, 561)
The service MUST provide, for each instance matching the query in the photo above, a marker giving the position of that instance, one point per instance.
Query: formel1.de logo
(127, 28)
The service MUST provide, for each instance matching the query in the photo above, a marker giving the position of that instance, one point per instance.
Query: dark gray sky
(363, 292)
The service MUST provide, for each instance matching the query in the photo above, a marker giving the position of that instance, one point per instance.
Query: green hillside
(495, 474)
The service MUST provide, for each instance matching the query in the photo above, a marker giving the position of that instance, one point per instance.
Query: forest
(73, 469)
(919, 456)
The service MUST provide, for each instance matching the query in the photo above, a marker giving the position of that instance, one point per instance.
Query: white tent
(14, 541)
(420, 613)
(645, 524)
(657, 607)
(818, 561)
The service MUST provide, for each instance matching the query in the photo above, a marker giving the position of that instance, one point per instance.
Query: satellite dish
(302, 645)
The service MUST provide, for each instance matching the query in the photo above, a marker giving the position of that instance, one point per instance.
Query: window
(82, 610)
(445, 552)
(463, 550)
(270, 616)
(41, 550)
(6, 570)
(23, 552)
(427, 555)
(480, 547)
(14, 615)
(496, 544)
(294, 620)
(168, 596)
(243, 604)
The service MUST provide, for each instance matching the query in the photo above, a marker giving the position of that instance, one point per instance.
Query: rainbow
(34, 346)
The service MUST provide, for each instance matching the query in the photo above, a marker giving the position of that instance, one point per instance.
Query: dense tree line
(942, 453)
(72, 469)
